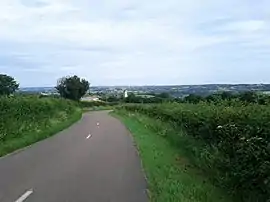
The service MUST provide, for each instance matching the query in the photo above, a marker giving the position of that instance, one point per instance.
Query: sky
(135, 42)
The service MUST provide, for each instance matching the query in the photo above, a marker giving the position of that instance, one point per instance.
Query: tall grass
(24, 120)
(171, 175)
(240, 135)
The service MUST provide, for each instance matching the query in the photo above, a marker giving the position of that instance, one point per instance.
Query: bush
(22, 115)
(240, 132)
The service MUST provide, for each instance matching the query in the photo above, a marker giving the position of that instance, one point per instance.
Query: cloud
(135, 42)
(33, 3)
(245, 26)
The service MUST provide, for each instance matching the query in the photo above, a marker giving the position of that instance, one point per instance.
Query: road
(94, 160)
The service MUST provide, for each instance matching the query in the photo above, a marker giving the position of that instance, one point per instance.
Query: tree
(192, 98)
(132, 98)
(8, 85)
(164, 95)
(113, 98)
(73, 88)
(249, 97)
(226, 95)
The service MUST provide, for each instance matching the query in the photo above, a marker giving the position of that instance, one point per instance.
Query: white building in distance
(125, 94)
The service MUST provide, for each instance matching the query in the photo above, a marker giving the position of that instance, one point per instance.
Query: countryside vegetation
(25, 119)
(214, 148)
(224, 137)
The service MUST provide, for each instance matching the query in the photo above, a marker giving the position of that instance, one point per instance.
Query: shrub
(241, 132)
(22, 115)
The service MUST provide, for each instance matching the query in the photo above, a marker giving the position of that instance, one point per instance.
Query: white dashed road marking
(89, 136)
(24, 196)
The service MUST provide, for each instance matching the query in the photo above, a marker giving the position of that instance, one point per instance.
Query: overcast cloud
(136, 42)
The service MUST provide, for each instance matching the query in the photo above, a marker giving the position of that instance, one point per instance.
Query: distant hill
(37, 89)
(174, 90)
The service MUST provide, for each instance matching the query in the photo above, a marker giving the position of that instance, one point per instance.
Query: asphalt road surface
(94, 160)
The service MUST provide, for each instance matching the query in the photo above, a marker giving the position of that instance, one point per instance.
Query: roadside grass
(172, 172)
(55, 125)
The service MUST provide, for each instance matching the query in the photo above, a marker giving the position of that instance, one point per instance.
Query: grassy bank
(172, 175)
(236, 139)
(26, 120)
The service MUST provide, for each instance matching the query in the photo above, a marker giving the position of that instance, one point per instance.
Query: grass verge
(35, 136)
(171, 173)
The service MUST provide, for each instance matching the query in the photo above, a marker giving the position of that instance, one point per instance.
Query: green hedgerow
(240, 132)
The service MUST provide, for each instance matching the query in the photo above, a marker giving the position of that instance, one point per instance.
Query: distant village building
(49, 93)
(125, 94)
(90, 99)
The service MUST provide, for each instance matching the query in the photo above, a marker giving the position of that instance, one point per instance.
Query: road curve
(92, 161)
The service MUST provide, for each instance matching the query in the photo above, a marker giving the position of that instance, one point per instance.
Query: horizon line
(145, 85)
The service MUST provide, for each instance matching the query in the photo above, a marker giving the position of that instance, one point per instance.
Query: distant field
(174, 90)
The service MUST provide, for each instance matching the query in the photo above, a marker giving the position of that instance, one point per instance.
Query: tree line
(244, 97)
(69, 87)
(74, 88)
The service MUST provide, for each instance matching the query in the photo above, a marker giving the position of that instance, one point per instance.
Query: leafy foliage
(240, 132)
(7, 85)
(193, 98)
(171, 174)
(245, 97)
(132, 98)
(164, 95)
(21, 115)
(73, 88)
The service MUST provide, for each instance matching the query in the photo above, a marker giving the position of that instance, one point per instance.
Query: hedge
(240, 132)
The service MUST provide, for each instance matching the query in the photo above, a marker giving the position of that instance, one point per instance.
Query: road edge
(75, 117)
(116, 116)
